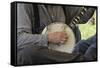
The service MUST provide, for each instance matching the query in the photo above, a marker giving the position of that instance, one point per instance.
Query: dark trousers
(87, 48)
(42, 55)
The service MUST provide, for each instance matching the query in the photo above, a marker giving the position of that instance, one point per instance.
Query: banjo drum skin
(69, 45)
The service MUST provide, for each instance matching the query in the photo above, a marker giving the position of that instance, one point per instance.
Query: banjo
(69, 45)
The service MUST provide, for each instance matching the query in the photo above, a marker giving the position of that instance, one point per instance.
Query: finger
(64, 37)
(61, 42)
(64, 40)
(64, 34)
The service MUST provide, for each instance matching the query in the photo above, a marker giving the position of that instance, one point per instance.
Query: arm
(24, 29)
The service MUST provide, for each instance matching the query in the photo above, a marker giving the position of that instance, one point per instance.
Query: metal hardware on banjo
(68, 46)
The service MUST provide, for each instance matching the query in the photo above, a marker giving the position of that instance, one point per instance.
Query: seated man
(32, 47)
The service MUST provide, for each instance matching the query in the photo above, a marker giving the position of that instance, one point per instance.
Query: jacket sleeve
(24, 29)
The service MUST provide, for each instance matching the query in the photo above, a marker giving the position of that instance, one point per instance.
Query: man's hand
(57, 37)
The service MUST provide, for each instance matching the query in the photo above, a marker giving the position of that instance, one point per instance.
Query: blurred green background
(87, 30)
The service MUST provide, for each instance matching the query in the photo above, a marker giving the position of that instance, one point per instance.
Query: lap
(42, 55)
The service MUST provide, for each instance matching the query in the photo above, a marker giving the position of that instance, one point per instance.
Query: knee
(81, 47)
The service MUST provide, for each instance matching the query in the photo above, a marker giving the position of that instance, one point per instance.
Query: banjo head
(69, 45)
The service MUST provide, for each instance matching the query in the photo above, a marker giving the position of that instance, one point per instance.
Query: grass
(87, 30)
